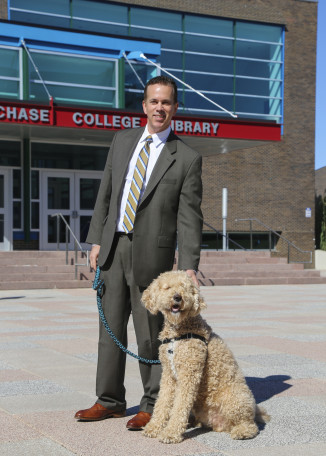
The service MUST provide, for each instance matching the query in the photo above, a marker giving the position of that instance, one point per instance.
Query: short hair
(164, 80)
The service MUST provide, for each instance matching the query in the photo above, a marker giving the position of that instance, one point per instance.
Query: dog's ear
(148, 299)
(199, 303)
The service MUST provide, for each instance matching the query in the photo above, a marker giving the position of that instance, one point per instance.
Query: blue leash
(98, 286)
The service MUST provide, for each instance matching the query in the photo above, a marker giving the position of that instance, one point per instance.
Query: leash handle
(98, 285)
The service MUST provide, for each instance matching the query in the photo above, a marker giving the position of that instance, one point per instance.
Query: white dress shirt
(159, 140)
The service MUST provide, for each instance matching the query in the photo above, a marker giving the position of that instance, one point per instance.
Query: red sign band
(68, 117)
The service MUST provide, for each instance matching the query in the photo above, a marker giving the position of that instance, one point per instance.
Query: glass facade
(9, 73)
(68, 156)
(10, 153)
(70, 79)
(73, 79)
(237, 64)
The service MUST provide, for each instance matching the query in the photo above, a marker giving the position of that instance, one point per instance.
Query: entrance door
(5, 210)
(71, 194)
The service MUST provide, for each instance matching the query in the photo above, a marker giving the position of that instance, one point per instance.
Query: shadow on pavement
(265, 388)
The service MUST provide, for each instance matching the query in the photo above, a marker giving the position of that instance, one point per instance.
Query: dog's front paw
(151, 430)
(244, 431)
(168, 437)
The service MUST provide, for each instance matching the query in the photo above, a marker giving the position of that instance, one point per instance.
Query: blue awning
(49, 39)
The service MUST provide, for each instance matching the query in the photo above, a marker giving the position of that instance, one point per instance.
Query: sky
(321, 87)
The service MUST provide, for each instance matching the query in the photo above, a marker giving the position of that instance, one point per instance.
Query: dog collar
(186, 336)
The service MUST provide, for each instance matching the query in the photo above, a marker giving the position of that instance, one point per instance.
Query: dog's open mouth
(176, 303)
(175, 308)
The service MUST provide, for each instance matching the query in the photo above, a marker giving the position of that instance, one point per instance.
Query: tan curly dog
(200, 375)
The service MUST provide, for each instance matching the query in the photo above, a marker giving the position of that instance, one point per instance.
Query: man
(134, 239)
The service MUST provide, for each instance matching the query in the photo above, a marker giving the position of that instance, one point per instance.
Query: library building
(72, 73)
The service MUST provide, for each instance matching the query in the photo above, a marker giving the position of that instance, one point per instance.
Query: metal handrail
(279, 236)
(77, 244)
(225, 235)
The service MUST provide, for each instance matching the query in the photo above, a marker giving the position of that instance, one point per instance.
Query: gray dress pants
(122, 298)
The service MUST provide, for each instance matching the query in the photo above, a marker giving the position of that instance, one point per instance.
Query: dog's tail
(261, 415)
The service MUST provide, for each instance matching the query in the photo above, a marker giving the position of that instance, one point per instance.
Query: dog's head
(175, 295)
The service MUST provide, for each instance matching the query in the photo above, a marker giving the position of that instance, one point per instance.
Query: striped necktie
(136, 186)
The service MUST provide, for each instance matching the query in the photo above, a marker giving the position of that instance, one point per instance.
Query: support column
(224, 215)
(121, 84)
(27, 189)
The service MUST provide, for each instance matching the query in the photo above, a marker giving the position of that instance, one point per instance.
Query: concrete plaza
(48, 341)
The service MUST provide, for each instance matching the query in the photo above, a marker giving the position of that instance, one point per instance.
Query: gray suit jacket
(169, 210)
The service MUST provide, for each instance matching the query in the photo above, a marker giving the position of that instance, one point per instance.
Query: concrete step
(247, 274)
(235, 253)
(242, 260)
(40, 261)
(48, 276)
(44, 284)
(209, 268)
(19, 254)
(47, 269)
(252, 268)
(43, 269)
(38, 269)
(262, 281)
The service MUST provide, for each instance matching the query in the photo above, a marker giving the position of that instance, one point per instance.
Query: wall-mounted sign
(101, 119)
(308, 212)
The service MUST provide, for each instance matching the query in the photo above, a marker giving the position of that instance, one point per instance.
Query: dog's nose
(177, 297)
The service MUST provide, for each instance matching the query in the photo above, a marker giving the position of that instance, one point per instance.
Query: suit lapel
(163, 163)
(125, 155)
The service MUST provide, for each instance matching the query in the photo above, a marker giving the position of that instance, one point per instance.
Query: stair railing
(270, 230)
(228, 239)
(77, 245)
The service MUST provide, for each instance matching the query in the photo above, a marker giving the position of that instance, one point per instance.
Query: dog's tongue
(175, 308)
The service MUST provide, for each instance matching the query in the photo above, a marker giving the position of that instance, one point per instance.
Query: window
(97, 17)
(9, 73)
(11, 156)
(68, 156)
(238, 240)
(55, 13)
(73, 79)
(133, 88)
(10, 153)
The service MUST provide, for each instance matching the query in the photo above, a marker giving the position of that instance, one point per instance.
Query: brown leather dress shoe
(139, 421)
(97, 413)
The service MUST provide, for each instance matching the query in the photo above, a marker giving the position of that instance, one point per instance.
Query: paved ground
(48, 346)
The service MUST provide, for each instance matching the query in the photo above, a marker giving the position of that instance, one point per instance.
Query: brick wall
(3, 9)
(275, 183)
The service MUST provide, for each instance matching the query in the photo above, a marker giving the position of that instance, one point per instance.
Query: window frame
(48, 83)
(18, 79)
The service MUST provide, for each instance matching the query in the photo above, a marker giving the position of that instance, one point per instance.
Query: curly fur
(198, 379)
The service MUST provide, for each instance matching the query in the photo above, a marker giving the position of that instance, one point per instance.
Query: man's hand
(93, 256)
(191, 273)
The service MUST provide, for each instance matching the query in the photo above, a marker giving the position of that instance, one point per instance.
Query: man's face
(159, 107)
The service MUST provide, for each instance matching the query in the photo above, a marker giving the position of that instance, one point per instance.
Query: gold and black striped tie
(136, 186)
